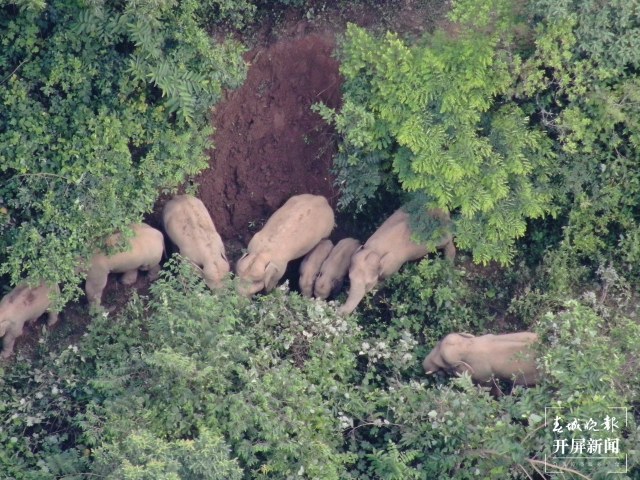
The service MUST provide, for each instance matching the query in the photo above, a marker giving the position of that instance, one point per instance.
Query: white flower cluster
(608, 275)
(376, 352)
(400, 354)
(554, 335)
(321, 322)
(345, 421)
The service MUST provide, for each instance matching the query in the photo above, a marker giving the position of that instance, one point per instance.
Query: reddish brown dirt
(269, 144)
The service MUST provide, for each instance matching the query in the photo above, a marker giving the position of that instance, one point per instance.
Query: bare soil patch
(269, 144)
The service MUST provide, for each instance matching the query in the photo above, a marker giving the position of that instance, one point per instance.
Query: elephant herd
(300, 228)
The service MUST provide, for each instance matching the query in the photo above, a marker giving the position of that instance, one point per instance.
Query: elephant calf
(147, 247)
(310, 266)
(334, 269)
(385, 252)
(291, 232)
(21, 305)
(506, 357)
(189, 226)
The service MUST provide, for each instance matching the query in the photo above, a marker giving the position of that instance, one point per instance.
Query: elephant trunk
(356, 293)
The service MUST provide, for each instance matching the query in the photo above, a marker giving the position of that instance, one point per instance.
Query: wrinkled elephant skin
(189, 226)
(147, 247)
(291, 232)
(310, 266)
(506, 357)
(385, 252)
(21, 305)
(335, 268)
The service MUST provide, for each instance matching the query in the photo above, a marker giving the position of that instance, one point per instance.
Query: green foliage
(232, 372)
(141, 456)
(500, 123)
(429, 300)
(608, 33)
(436, 115)
(103, 103)
(455, 431)
(503, 121)
(583, 75)
(186, 384)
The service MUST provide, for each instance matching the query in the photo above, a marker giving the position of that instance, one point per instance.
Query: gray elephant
(334, 269)
(385, 252)
(189, 226)
(505, 357)
(21, 305)
(291, 232)
(310, 266)
(147, 247)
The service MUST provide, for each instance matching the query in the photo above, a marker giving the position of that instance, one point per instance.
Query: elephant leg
(130, 277)
(94, 287)
(450, 250)
(154, 273)
(9, 340)
(53, 318)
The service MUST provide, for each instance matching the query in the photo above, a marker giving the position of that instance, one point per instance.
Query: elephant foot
(53, 318)
(450, 251)
(154, 273)
(130, 277)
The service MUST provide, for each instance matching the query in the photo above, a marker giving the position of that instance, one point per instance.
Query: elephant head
(310, 266)
(255, 273)
(364, 273)
(335, 268)
(446, 355)
(327, 286)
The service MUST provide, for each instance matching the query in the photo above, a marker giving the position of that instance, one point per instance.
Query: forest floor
(269, 144)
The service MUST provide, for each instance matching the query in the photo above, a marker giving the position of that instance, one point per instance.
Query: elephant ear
(271, 276)
(386, 265)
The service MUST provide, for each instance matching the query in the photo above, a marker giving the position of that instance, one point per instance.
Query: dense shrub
(103, 104)
(108, 101)
(186, 384)
(510, 114)
(437, 116)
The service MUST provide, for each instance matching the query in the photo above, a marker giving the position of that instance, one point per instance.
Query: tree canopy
(507, 116)
(104, 103)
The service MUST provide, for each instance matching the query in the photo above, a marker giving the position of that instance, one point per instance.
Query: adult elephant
(147, 248)
(508, 357)
(291, 232)
(386, 251)
(190, 227)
